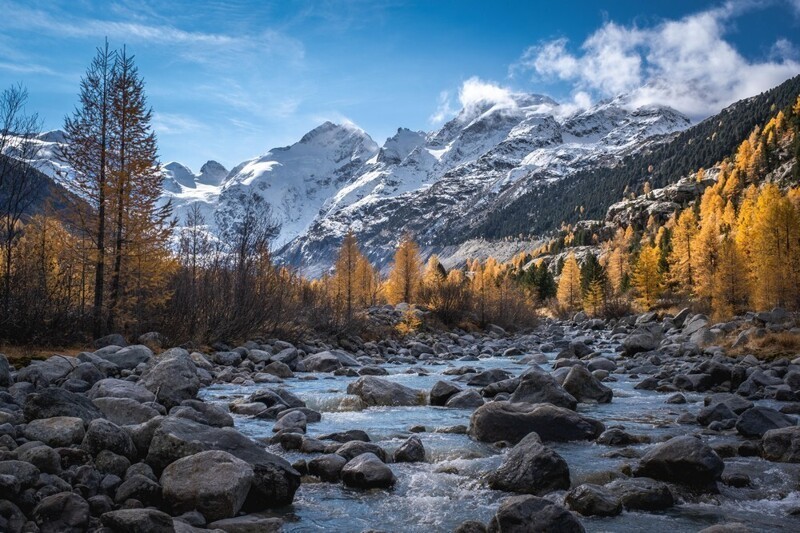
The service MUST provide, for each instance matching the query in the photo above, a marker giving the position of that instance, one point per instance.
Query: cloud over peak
(686, 63)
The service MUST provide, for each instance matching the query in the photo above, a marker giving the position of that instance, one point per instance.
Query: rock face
(581, 384)
(684, 460)
(172, 379)
(526, 514)
(537, 386)
(367, 472)
(498, 421)
(376, 391)
(781, 445)
(213, 482)
(531, 468)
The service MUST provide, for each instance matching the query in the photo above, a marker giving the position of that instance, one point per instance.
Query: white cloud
(475, 90)
(444, 110)
(686, 63)
(176, 124)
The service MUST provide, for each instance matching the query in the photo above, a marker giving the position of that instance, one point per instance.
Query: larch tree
(569, 284)
(647, 278)
(681, 258)
(87, 150)
(405, 276)
(346, 284)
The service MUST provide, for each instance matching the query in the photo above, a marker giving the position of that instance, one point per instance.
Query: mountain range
(445, 186)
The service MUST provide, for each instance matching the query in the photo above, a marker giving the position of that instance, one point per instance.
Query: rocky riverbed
(629, 425)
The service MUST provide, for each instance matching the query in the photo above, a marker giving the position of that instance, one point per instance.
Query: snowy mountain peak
(212, 173)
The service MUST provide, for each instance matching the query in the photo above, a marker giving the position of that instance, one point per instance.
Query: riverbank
(639, 422)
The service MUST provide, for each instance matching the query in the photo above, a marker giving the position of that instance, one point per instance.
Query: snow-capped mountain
(435, 185)
(438, 183)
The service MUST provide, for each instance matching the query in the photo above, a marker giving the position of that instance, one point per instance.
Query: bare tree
(19, 146)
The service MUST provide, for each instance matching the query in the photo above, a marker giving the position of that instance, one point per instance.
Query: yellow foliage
(569, 284)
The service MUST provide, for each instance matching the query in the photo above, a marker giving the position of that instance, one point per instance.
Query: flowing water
(448, 489)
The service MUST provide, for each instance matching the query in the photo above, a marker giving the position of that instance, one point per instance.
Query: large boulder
(124, 411)
(138, 521)
(213, 482)
(57, 431)
(684, 460)
(639, 341)
(251, 523)
(321, 362)
(105, 435)
(64, 512)
(758, 420)
(593, 500)
(376, 391)
(642, 494)
(531, 468)
(327, 467)
(367, 472)
(467, 399)
(537, 386)
(782, 445)
(531, 514)
(487, 377)
(48, 372)
(54, 401)
(172, 379)
(505, 421)
(176, 438)
(129, 357)
(581, 384)
(442, 391)
(119, 388)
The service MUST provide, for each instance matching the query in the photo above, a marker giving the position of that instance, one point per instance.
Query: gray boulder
(498, 421)
(593, 500)
(65, 512)
(781, 445)
(537, 386)
(411, 451)
(172, 379)
(442, 391)
(119, 388)
(531, 468)
(642, 494)
(529, 514)
(367, 472)
(124, 411)
(138, 521)
(54, 401)
(213, 482)
(57, 431)
(581, 384)
(105, 435)
(327, 467)
(758, 420)
(321, 362)
(684, 460)
(468, 399)
(375, 391)
(129, 357)
(639, 341)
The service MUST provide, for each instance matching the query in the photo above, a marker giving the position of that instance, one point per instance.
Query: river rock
(717, 412)
(411, 451)
(467, 399)
(758, 420)
(640, 341)
(48, 372)
(354, 448)
(53, 402)
(781, 445)
(327, 467)
(213, 482)
(139, 488)
(138, 521)
(537, 386)
(684, 460)
(250, 523)
(442, 391)
(593, 500)
(294, 422)
(321, 362)
(642, 494)
(172, 379)
(526, 514)
(65, 512)
(56, 431)
(124, 411)
(366, 471)
(129, 357)
(488, 377)
(581, 384)
(376, 391)
(25, 473)
(105, 435)
(497, 421)
(531, 468)
(118, 388)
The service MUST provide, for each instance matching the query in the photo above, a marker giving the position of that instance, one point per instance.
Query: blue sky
(228, 80)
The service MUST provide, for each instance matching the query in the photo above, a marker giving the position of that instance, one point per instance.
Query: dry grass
(20, 356)
(771, 346)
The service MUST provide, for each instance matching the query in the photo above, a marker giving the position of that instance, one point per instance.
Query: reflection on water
(449, 488)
